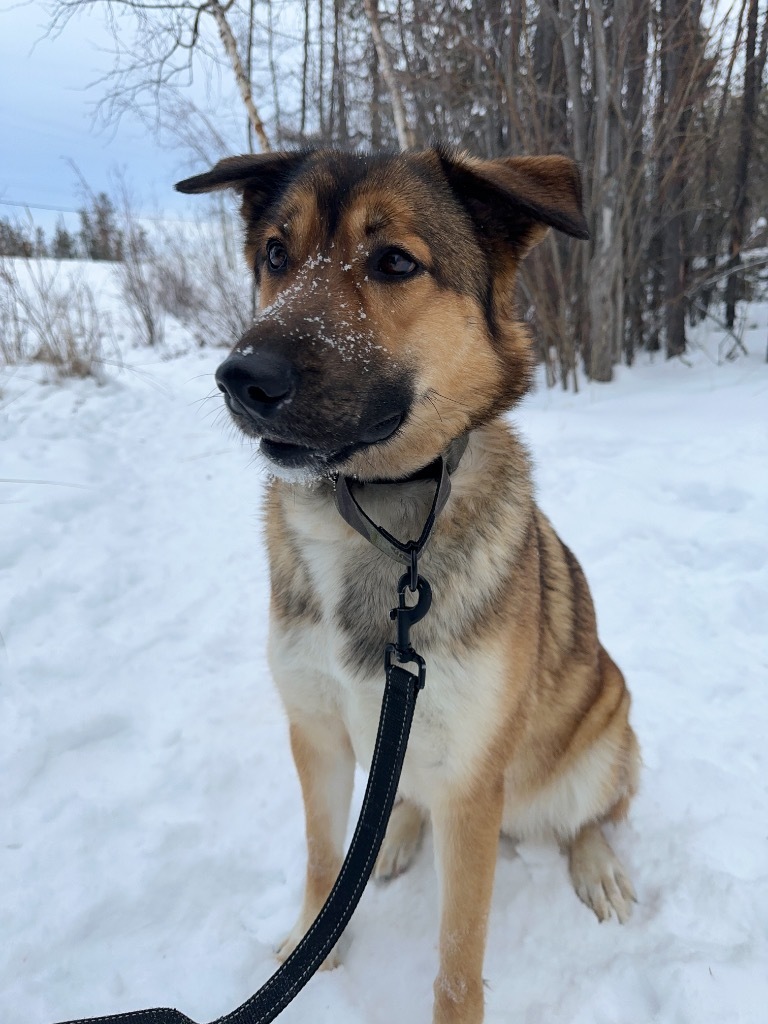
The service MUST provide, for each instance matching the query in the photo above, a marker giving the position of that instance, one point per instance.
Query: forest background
(152, 845)
(661, 102)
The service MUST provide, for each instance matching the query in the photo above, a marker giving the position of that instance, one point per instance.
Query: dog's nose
(258, 385)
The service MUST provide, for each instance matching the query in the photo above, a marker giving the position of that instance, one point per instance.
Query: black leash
(397, 710)
(401, 689)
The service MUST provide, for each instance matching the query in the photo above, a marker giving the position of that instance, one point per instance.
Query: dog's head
(386, 287)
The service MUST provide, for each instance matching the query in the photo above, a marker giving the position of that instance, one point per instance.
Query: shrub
(45, 318)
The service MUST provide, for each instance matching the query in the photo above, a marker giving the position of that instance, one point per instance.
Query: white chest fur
(316, 670)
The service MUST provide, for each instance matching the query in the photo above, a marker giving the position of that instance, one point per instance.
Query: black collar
(408, 552)
(453, 456)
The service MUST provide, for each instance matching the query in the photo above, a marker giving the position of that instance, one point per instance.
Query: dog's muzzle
(258, 390)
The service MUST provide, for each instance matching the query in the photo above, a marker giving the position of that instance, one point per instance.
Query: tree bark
(634, 214)
(567, 24)
(375, 104)
(243, 84)
(338, 87)
(606, 254)
(321, 71)
(272, 70)
(760, 67)
(304, 73)
(741, 186)
(404, 134)
(249, 63)
(679, 26)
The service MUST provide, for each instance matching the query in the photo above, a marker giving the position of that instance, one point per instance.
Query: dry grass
(193, 274)
(49, 317)
(202, 280)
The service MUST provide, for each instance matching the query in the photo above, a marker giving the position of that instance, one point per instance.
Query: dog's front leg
(466, 829)
(326, 764)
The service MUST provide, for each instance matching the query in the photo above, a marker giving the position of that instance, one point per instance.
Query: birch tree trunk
(243, 84)
(605, 277)
(404, 134)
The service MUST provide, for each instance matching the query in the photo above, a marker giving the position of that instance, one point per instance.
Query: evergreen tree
(40, 247)
(99, 234)
(14, 239)
(63, 244)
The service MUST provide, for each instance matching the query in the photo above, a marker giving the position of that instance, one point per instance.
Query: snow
(151, 830)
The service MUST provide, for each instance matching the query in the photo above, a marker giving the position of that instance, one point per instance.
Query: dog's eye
(277, 255)
(396, 263)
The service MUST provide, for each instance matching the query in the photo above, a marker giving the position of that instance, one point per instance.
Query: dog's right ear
(515, 199)
(258, 178)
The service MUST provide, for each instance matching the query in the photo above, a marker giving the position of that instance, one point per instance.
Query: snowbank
(152, 839)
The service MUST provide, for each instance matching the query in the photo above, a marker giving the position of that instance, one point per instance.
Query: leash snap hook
(406, 616)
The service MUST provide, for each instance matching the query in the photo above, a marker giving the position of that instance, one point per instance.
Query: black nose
(256, 385)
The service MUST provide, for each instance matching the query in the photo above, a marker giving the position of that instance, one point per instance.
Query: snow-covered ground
(151, 835)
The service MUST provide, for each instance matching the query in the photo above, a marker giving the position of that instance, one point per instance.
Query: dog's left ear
(515, 199)
(258, 178)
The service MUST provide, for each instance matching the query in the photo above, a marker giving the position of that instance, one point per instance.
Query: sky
(47, 120)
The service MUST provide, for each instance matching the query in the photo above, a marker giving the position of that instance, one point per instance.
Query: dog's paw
(598, 876)
(284, 950)
(401, 843)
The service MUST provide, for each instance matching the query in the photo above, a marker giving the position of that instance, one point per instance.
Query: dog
(387, 330)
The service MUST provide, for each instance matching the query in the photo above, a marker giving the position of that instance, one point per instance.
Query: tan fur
(523, 725)
(324, 761)
(402, 841)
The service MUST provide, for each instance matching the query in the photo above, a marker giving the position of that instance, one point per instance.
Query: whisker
(206, 398)
(446, 399)
(431, 402)
(197, 376)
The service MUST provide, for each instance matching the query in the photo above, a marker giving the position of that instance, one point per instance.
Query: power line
(38, 206)
(69, 209)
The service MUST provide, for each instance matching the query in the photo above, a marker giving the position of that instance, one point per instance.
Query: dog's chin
(293, 461)
(379, 461)
(300, 464)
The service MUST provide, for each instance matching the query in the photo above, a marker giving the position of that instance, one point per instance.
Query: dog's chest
(335, 667)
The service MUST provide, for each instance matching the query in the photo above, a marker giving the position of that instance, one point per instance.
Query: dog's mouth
(289, 455)
(307, 420)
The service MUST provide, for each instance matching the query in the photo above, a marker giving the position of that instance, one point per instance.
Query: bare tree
(136, 273)
(404, 134)
(167, 36)
(741, 184)
(635, 222)
(304, 71)
(639, 92)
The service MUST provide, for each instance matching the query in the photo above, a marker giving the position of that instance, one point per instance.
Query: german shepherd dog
(387, 330)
